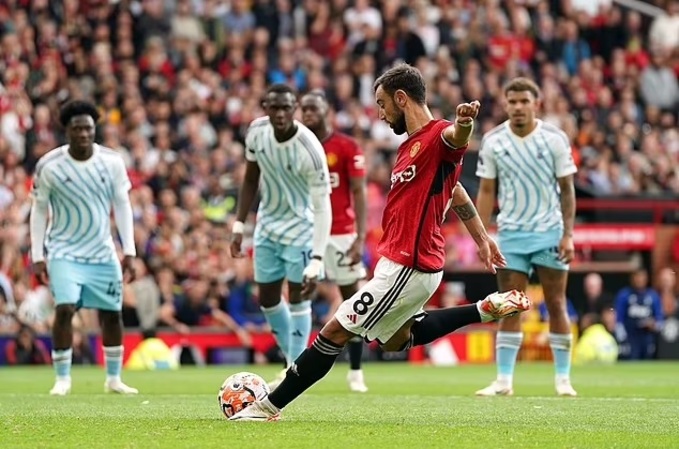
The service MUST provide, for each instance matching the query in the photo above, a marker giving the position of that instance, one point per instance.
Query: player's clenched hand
(490, 255)
(40, 271)
(466, 112)
(312, 274)
(129, 272)
(355, 253)
(566, 249)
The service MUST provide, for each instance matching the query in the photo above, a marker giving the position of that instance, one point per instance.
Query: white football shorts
(385, 303)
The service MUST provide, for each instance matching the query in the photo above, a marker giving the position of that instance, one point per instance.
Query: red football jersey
(345, 161)
(422, 182)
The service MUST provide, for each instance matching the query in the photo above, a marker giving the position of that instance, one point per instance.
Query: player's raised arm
(38, 223)
(246, 195)
(458, 134)
(463, 206)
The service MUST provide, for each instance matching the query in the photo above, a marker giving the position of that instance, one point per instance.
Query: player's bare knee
(336, 333)
(270, 294)
(294, 293)
(511, 280)
(110, 318)
(63, 313)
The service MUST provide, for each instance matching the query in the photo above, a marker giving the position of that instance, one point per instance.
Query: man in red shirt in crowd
(424, 187)
(343, 257)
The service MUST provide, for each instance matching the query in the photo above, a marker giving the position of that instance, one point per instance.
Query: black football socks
(310, 367)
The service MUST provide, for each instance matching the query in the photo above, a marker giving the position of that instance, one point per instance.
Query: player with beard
(389, 307)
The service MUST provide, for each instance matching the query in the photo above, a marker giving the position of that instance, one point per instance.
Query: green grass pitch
(621, 406)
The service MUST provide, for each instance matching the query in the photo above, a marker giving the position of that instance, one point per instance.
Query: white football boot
(564, 388)
(496, 389)
(117, 386)
(261, 411)
(356, 381)
(61, 387)
(500, 305)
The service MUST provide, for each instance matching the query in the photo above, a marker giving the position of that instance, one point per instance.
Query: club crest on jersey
(332, 159)
(406, 175)
(415, 149)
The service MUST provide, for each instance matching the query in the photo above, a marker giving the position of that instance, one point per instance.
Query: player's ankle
(113, 379)
(66, 378)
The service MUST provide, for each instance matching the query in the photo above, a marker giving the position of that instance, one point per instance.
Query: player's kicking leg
(509, 336)
(379, 311)
(553, 282)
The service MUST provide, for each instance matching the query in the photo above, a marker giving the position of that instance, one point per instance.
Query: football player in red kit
(343, 257)
(424, 186)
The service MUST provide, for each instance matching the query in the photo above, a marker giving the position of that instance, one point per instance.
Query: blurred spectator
(639, 317)
(141, 299)
(597, 301)
(26, 349)
(82, 352)
(241, 303)
(195, 309)
(8, 321)
(36, 307)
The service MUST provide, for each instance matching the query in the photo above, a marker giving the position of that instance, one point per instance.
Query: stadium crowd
(178, 81)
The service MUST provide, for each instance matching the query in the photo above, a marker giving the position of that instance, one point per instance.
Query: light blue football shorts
(525, 250)
(275, 261)
(89, 286)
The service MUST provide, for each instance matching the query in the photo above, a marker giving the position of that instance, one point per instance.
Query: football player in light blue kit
(531, 162)
(287, 162)
(74, 188)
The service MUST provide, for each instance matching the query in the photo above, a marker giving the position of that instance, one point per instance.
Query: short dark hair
(318, 93)
(522, 84)
(406, 78)
(77, 107)
(280, 88)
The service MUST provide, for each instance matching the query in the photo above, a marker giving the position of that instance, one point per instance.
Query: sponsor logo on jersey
(406, 175)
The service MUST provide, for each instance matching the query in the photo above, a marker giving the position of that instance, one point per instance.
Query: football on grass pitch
(240, 390)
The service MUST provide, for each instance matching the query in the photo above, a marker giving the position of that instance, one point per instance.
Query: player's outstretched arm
(246, 196)
(458, 134)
